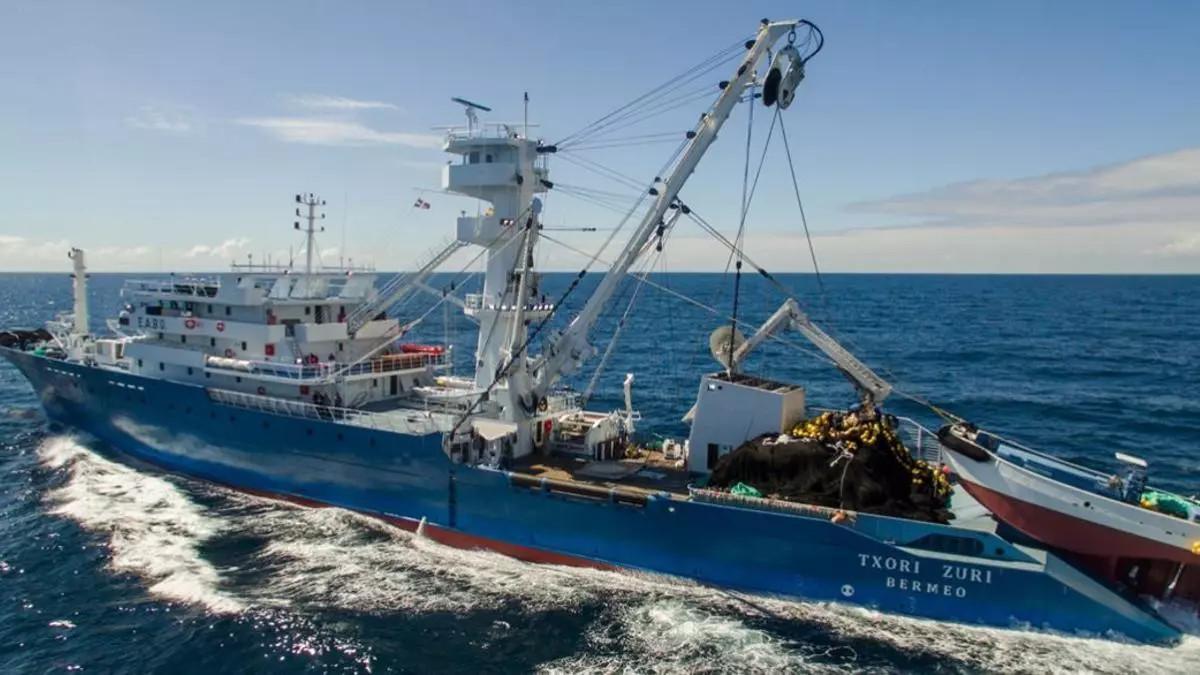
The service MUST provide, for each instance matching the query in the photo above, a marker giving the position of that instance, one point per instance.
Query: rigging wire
(707, 308)
(713, 61)
(612, 342)
(812, 252)
(741, 233)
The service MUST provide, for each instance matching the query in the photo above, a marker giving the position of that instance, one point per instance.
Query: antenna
(526, 114)
(312, 202)
(470, 108)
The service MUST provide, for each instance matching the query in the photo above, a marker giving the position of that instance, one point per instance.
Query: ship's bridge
(494, 159)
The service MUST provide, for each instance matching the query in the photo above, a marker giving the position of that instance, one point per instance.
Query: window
(160, 336)
(340, 347)
(238, 378)
(487, 158)
(210, 309)
(139, 363)
(227, 311)
(212, 342)
(307, 311)
(207, 375)
(183, 339)
(243, 345)
(162, 366)
(474, 158)
(190, 371)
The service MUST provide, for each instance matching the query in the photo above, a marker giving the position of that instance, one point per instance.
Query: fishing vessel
(299, 383)
(1142, 537)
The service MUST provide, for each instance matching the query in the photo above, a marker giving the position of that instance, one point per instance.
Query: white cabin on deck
(758, 405)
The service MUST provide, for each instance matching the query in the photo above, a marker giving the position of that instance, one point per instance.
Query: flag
(420, 204)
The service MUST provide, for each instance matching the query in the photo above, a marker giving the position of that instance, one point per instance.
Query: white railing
(399, 421)
(920, 441)
(202, 288)
(324, 371)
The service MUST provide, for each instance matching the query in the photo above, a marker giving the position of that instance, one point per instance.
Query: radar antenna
(470, 107)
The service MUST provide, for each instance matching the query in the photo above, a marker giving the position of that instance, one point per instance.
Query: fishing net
(840, 460)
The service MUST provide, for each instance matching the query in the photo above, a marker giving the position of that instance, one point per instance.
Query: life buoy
(229, 353)
(543, 406)
(312, 358)
(262, 391)
(220, 326)
(189, 324)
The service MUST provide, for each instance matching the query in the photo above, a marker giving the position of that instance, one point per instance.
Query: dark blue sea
(107, 567)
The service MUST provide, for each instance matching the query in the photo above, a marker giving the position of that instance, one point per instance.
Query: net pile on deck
(20, 339)
(842, 460)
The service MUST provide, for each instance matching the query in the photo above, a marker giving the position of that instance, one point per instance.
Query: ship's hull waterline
(905, 567)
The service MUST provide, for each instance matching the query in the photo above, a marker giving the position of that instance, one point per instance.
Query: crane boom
(566, 351)
(790, 315)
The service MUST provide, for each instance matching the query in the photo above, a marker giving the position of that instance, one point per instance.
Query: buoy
(189, 324)
(228, 353)
(220, 326)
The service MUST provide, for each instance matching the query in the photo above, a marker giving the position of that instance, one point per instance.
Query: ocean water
(107, 566)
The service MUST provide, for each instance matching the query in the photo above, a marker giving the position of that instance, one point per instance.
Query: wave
(153, 530)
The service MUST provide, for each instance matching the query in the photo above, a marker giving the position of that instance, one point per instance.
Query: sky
(943, 136)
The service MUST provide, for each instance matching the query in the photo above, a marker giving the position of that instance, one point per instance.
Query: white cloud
(166, 118)
(222, 251)
(1183, 246)
(317, 131)
(323, 102)
(1155, 191)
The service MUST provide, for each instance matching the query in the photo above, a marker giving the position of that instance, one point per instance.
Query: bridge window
(473, 158)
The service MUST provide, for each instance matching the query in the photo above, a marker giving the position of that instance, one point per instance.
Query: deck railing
(920, 441)
(325, 371)
(401, 421)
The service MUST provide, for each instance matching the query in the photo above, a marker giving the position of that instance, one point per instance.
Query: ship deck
(650, 474)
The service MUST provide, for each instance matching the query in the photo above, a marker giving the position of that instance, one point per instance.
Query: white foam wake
(154, 531)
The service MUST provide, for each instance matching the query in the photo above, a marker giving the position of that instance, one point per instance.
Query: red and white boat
(1110, 522)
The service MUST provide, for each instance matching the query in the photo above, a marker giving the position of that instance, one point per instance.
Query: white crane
(567, 350)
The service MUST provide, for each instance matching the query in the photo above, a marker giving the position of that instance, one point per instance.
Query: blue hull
(897, 566)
